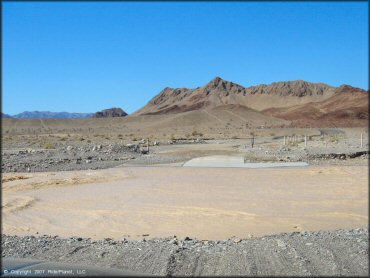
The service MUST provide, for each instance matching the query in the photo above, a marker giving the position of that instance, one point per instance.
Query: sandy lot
(205, 203)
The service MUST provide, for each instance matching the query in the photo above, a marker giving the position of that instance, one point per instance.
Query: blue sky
(88, 56)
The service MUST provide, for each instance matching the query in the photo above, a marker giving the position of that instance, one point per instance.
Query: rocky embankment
(84, 156)
(329, 253)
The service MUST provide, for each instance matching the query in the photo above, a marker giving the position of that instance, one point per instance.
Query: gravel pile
(339, 252)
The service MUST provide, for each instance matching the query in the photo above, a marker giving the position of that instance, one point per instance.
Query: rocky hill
(347, 107)
(221, 92)
(303, 103)
(109, 113)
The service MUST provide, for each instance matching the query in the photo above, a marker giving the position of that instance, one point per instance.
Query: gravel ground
(83, 156)
(78, 157)
(330, 253)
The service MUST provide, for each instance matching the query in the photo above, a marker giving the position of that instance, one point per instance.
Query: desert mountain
(111, 112)
(347, 107)
(50, 115)
(220, 92)
(3, 115)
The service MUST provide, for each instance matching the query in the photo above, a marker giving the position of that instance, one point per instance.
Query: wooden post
(147, 145)
(361, 140)
(284, 141)
(252, 140)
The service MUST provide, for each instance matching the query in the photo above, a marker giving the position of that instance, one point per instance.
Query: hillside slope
(348, 107)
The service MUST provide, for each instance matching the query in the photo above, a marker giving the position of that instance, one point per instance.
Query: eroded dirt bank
(329, 253)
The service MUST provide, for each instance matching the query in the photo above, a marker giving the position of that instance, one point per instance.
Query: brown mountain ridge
(300, 102)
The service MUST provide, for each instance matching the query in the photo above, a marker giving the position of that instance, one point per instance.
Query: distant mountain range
(47, 114)
(107, 113)
(299, 103)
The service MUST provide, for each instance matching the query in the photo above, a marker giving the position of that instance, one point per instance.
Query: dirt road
(206, 203)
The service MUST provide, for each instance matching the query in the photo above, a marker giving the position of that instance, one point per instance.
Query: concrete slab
(225, 161)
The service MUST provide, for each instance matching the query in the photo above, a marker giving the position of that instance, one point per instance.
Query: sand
(205, 203)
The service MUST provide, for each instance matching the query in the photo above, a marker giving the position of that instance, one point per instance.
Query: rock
(69, 148)
(108, 113)
(174, 241)
(237, 240)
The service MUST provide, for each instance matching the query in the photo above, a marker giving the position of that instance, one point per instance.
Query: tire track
(217, 118)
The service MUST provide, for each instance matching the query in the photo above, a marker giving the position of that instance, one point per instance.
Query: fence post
(361, 140)
(305, 140)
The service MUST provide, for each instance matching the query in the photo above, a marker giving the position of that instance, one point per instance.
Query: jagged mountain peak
(219, 84)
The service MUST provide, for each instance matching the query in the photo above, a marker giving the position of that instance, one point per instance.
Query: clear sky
(88, 56)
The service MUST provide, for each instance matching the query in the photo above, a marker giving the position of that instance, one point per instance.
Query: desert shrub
(293, 144)
(63, 139)
(81, 139)
(49, 146)
(234, 137)
(196, 133)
